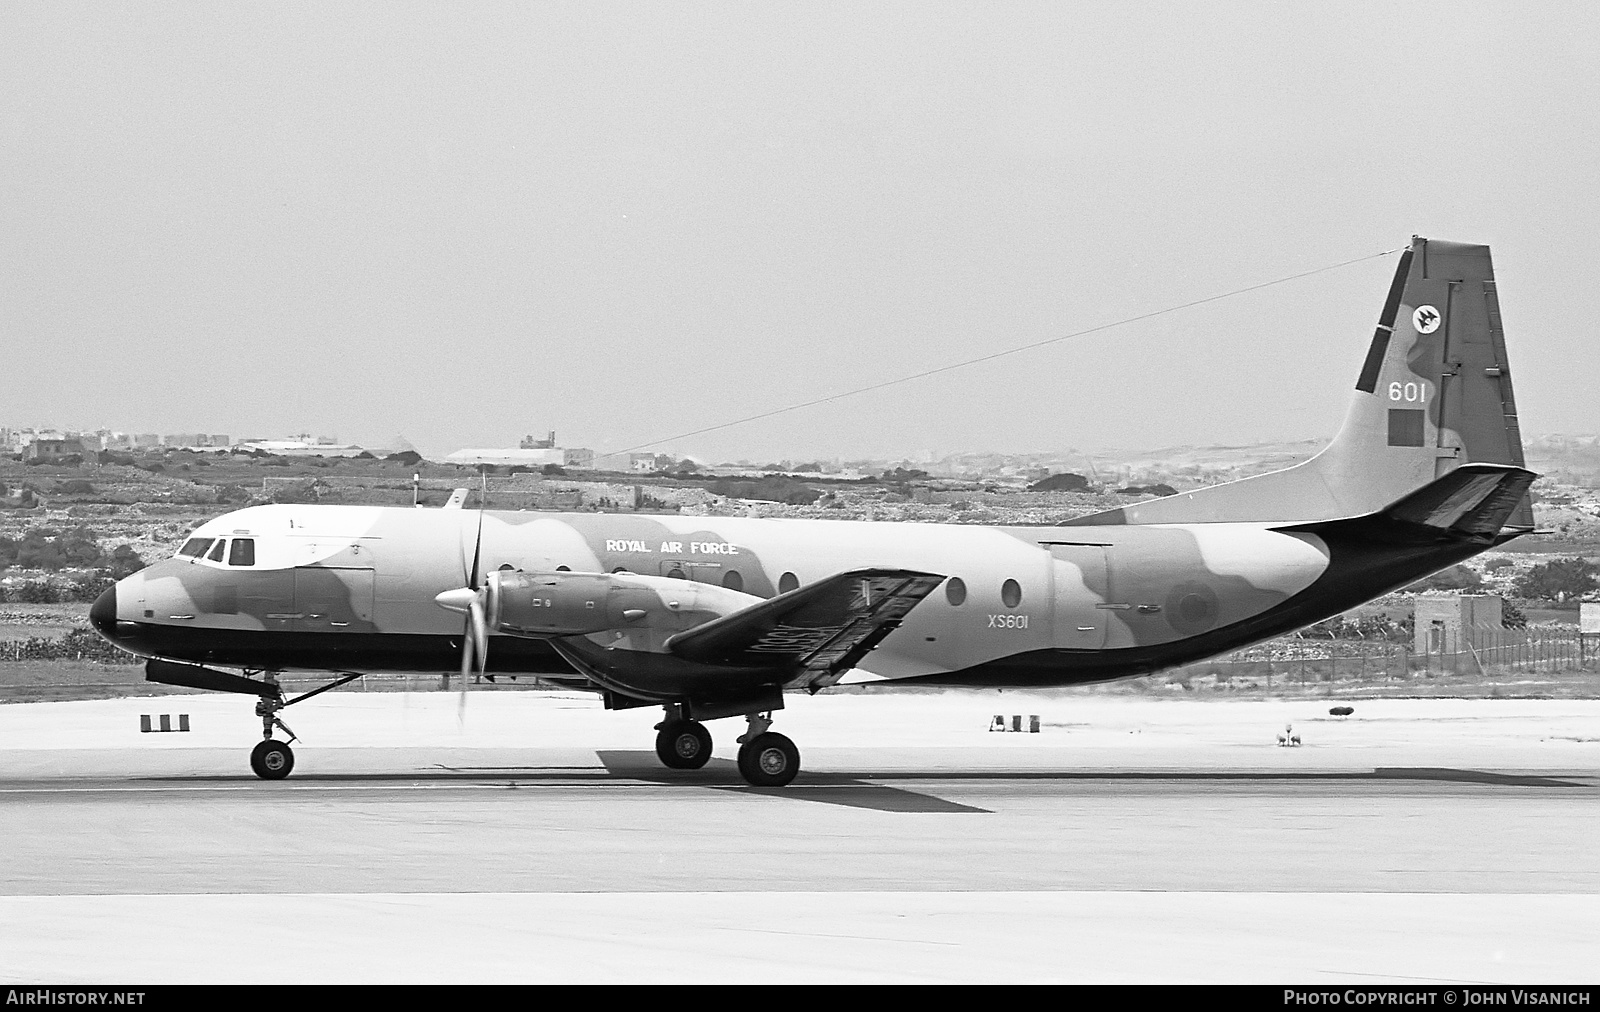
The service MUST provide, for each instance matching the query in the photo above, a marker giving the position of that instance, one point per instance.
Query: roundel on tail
(1426, 319)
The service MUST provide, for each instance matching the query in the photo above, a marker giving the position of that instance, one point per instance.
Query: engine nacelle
(578, 604)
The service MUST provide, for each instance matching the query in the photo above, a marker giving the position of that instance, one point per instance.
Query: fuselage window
(563, 569)
(788, 582)
(620, 569)
(195, 547)
(955, 591)
(732, 580)
(1011, 593)
(215, 554)
(676, 574)
(243, 552)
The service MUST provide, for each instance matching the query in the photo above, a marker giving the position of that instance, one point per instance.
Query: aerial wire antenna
(997, 354)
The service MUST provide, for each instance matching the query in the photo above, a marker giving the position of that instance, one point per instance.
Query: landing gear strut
(272, 760)
(766, 758)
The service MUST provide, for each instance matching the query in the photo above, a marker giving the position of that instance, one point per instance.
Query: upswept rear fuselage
(352, 588)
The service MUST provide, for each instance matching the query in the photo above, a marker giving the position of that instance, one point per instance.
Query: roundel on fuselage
(1191, 608)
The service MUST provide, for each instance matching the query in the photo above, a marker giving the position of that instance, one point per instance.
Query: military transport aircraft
(711, 617)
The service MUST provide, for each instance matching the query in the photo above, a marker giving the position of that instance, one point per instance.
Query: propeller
(469, 600)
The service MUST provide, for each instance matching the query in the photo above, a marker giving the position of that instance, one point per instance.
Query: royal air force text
(672, 547)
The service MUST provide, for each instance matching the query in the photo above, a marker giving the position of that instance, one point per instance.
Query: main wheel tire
(769, 760)
(272, 760)
(683, 744)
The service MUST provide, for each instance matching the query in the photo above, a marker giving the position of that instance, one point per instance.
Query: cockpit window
(243, 552)
(216, 553)
(195, 547)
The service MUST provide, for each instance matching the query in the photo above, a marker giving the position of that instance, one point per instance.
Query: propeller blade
(466, 670)
(477, 554)
(474, 643)
(480, 634)
(477, 547)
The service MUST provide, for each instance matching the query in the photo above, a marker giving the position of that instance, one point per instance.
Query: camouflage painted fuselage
(353, 588)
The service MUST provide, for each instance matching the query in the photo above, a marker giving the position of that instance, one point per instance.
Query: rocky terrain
(151, 501)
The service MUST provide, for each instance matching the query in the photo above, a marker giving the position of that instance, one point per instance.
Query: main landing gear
(766, 758)
(683, 744)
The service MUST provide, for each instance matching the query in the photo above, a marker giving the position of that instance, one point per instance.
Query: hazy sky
(469, 222)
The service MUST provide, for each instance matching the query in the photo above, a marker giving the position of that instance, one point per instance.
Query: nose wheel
(272, 760)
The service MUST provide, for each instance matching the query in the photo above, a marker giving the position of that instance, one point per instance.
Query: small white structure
(302, 448)
(507, 457)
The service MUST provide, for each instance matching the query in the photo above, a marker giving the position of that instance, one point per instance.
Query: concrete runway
(539, 840)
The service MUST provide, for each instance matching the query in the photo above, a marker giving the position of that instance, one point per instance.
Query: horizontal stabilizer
(822, 630)
(1472, 503)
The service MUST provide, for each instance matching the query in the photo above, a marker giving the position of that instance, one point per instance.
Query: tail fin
(1434, 393)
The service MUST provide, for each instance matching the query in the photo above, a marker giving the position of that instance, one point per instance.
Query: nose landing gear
(272, 760)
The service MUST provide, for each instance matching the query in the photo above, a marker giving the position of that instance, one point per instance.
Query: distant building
(531, 452)
(53, 449)
(146, 440)
(1589, 618)
(302, 447)
(1451, 629)
(507, 457)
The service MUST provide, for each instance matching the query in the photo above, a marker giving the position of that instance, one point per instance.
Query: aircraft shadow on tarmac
(867, 788)
(829, 788)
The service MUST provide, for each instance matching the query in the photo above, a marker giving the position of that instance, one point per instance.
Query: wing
(821, 630)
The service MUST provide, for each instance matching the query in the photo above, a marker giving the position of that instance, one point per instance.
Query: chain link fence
(1489, 653)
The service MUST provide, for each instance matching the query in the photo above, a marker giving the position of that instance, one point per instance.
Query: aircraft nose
(103, 613)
